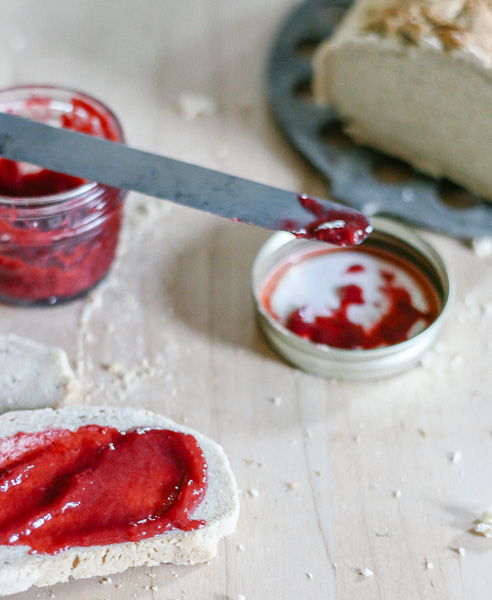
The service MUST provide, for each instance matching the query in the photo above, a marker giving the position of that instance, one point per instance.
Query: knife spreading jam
(60, 488)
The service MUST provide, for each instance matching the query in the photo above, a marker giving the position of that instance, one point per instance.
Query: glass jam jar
(58, 233)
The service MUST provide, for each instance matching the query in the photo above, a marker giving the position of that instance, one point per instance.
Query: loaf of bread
(414, 78)
(20, 568)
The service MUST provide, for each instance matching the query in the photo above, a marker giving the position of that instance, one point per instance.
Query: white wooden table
(350, 476)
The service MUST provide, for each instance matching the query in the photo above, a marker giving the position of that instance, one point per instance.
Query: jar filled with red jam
(58, 233)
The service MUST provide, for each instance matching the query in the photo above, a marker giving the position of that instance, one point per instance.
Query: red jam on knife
(357, 299)
(58, 233)
(97, 485)
(338, 226)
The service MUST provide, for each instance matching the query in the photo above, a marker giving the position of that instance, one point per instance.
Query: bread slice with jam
(40, 562)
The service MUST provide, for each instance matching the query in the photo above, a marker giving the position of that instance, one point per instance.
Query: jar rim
(64, 196)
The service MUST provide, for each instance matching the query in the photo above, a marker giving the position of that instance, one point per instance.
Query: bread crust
(20, 570)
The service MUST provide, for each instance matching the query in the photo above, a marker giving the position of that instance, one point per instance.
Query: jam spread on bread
(97, 485)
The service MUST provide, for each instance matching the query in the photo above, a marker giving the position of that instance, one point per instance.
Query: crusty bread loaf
(33, 375)
(19, 569)
(414, 78)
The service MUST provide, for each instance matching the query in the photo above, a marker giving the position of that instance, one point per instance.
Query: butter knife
(127, 168)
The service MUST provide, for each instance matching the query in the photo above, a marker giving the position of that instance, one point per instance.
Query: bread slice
(414, 78)
(33, 375)
(19, 569)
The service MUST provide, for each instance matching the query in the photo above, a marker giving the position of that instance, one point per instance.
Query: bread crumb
(366, 572)
(427, 359)
(276, 400)
(253, 493)
(241, 597)
(397, 493)
(318, 473)
(222, 151)
(292, 486)
(457, 360)
(484, 525)
(423, 432)
(192, 106)
(117, 585)
(106, 580)
(428, 565)
(456, 457)
(240, 547)
(482, 247)
(461, 551)
(309, 575)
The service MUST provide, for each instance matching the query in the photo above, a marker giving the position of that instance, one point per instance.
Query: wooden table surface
(350, 476)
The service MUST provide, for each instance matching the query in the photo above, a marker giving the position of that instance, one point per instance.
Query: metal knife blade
(123, 167)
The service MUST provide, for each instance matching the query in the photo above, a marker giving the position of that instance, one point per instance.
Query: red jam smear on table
(339, 226)
(97, 486)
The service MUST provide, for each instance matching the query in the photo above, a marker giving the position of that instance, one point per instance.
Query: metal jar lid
(388, 237)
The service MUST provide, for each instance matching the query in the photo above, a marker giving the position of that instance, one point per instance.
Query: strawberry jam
(97, 486)
(58, 233)
(357, 299)
(338, 226)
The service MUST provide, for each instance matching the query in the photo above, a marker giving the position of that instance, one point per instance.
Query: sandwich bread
(21, 569)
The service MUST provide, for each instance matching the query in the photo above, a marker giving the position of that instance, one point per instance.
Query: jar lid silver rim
(300, 351)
